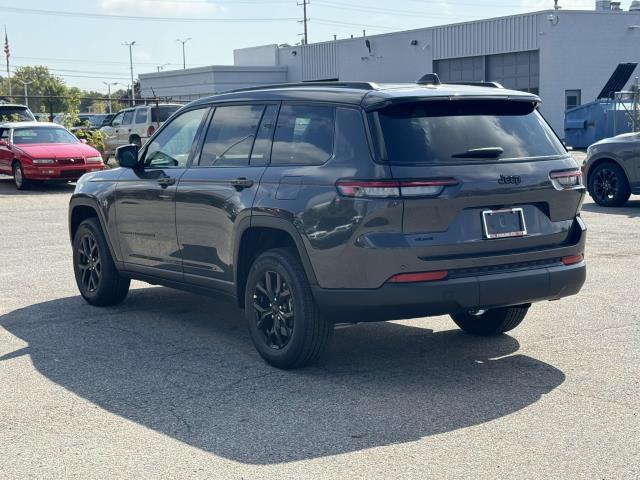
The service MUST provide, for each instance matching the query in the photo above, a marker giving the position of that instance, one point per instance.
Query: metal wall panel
(500, 35)
(319, 61)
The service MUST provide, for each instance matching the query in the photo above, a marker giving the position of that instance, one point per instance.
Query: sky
(82, 40)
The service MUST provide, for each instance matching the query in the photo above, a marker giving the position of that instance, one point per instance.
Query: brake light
(572, 259)
(419, 277)
(566, 179)
(393, 188)
(151, 130)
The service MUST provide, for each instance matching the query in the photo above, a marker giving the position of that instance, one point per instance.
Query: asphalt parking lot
(168, 385)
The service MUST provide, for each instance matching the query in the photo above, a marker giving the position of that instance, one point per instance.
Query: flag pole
(6, 52)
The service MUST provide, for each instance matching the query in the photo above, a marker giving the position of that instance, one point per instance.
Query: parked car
(13, 112)
(612, 169)
(136, 124)
(32, 151)
(85, 121)
(325, 203)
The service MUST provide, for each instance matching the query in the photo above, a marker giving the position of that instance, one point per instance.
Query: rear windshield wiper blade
(487, 152)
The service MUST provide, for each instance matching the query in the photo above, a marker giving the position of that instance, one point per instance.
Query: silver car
(612, 169)
(136, 124)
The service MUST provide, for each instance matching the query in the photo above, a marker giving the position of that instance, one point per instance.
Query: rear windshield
(456, 131)
(15, 114)
(163, 112)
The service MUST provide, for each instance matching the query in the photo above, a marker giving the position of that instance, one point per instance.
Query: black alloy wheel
(274, 310)
(609, 186)
(89, 262)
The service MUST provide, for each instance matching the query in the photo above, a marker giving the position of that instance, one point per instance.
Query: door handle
(242, 182)
(166, 181)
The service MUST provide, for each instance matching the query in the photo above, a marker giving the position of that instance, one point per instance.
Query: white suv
(136, 124)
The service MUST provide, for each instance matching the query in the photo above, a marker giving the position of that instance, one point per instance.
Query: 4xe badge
(514, 179)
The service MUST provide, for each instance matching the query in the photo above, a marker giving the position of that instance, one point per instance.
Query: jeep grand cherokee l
(317, 204)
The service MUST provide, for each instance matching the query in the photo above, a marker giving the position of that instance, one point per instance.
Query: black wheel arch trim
(82, 200)
(265, 221)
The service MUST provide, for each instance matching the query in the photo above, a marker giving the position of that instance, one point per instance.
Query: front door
(219, 188)
(145, 199)
(6, 155)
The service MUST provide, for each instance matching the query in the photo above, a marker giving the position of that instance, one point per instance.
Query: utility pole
(184, 59)
(305, 20)
(26, 94)
(7, 54)
(133, 93)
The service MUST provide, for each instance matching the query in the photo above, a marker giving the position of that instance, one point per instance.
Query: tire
(492, 322)
(99, 281)
(303, 331)
(19, 180)
(608, 185)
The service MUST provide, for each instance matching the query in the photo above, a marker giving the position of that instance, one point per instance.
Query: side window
(171, 148)
(141, 115)
(304, 135)
(4, 134)
(117, 120)
(128, 117)
(262, 145)
(230, 136)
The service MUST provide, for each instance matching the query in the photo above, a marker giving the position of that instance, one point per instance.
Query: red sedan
(32, 151)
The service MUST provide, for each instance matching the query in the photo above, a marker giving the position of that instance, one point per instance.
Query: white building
(564, 56)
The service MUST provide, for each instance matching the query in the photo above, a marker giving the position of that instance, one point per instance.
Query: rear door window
(141, 115)
(462, 130)
(128, 117)
(304, 135)
(231, 135)
(162, 113)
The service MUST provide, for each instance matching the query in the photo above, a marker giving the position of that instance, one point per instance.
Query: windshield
(29, 136)
(451, 130)
(15, 114)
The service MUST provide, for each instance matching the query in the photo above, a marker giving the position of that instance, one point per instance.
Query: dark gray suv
(317, 204)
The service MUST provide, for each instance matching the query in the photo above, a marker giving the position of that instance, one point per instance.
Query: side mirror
(83, 140)
(127, 156)
(3, 143)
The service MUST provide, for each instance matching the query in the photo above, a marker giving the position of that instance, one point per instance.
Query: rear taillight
(151, 130)
(566, 179)
(393, 188)
(572, 259)
(419, 277)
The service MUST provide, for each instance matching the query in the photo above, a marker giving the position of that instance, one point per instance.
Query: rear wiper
(487, 152)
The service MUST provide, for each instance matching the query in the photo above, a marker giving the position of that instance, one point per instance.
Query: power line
(30, 11)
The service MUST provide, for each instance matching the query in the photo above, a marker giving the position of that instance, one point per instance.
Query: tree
(43, 83)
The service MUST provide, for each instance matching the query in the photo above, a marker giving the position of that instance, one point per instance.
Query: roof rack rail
(336, 84)
(478, 84)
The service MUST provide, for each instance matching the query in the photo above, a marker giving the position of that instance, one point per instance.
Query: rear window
(163, 112)
(15, 114)
(459, 130)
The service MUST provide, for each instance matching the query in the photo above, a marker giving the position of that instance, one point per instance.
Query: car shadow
(39, 188)
(631, 209)
(184, 366)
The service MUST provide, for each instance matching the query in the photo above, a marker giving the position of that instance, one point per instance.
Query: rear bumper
(398, 301)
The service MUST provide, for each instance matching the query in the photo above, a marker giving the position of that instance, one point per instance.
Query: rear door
(476, 175)
(125, 130)
(219, 189)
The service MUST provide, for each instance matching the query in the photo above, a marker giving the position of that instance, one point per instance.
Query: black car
(317, 204)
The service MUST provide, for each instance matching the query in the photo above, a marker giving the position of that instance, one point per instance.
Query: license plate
(504, 223)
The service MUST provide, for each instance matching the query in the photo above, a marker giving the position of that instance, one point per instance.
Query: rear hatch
(478, 176)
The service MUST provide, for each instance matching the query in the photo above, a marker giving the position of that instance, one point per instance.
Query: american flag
(7, 51)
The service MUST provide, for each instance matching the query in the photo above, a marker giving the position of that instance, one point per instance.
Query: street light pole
(130, 45)
(26, 94)
(184, 61)
(109, 90)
